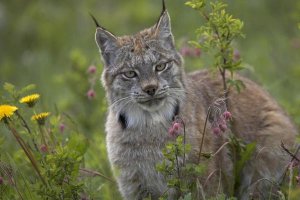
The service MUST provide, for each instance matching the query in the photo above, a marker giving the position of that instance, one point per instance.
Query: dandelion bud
(91, 94)
(227, 115)
(1, 180)
(44, 148)
(216, 130)
(92, 69)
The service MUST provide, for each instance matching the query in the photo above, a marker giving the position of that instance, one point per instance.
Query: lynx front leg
(139, 185)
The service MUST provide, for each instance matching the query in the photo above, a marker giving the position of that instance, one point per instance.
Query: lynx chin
(146, 86)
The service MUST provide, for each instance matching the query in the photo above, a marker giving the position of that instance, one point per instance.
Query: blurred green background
(51, 44)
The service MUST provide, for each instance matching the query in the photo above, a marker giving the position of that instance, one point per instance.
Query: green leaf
(245, 156)
(10, 88)
(188, 196)
(28, 88)
(195, 4)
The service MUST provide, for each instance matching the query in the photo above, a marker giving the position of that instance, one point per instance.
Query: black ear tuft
(164, 6)
(164, 9)
(94, 19)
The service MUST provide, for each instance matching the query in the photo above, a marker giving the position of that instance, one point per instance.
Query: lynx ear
(163, 28)
(107, 44)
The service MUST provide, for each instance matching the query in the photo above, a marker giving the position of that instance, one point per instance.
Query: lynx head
(143, 74)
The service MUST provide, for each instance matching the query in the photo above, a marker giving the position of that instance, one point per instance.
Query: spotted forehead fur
(138, 41)
(142, 48)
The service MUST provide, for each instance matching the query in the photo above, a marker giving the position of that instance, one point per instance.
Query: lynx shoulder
(146, 86)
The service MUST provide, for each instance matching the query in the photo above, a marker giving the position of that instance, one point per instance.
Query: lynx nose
(150, 89)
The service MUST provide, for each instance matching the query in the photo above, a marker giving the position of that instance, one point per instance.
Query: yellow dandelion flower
(7, 111)
(40, 118)
(30, 100)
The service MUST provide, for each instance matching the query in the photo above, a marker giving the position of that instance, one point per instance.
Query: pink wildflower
(216, 130)
(227, 115)
(92, 69)
(196, 52)
(185, 51)
(223, 127)
(44, 148)
(62, 127)
(175, 129)
(91, 94)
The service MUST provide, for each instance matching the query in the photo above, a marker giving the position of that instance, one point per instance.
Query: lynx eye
(129, 74)
(160, 67)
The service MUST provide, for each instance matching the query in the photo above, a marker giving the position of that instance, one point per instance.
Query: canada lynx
(146, 87)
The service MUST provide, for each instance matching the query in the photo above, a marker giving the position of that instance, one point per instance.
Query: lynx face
(143, 76)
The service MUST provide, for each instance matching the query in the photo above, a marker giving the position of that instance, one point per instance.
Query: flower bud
(223, 127)
(216, 130)
(92, 69)
(227, 115)
(91, 94)
(197, 52)
(44, 148)
(175, 129)
(185, 51)
(62, 127)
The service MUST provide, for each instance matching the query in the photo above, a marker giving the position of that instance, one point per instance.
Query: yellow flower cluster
(30, 100)
(7, 111)
(40, 118)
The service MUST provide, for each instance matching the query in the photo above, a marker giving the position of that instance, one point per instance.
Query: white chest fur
(134, 152)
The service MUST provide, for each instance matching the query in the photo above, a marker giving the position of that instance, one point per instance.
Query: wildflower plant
(177, 172)
(30, 100)
(55, 157)
(6, 111)
(216, 36)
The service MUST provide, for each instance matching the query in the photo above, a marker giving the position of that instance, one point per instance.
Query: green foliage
(240, 154)
(216, 36)
(53, 148)
(179, 175)
(62, 170)
(35, 51)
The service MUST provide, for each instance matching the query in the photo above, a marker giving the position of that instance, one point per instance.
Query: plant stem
(203, 133)
(43, 135)
(178, 169)
(184, 141)
(28, 130)
(95, 173)
(26, 150)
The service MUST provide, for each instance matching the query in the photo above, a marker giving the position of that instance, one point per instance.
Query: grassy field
(51, 44)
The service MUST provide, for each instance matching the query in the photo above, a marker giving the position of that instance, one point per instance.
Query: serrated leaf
(28, 88)
(245, 156)
(10, 88)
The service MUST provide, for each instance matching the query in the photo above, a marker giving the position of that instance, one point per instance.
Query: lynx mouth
(152, 103)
